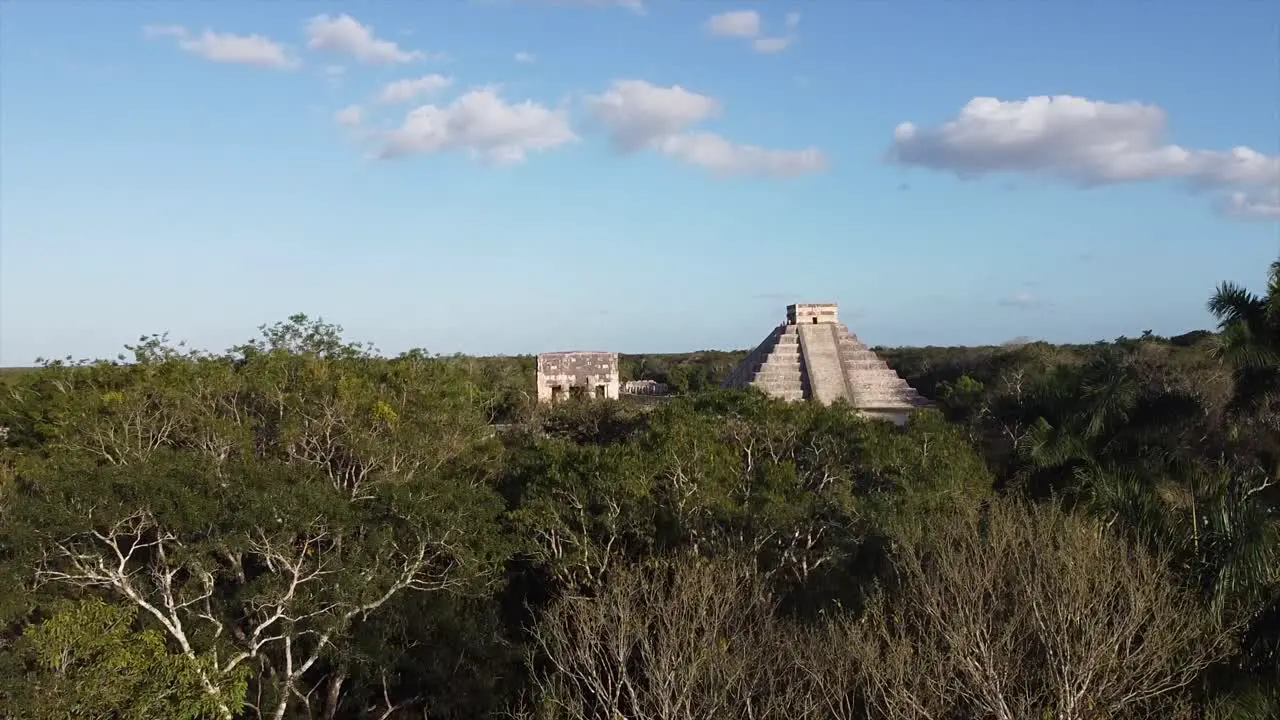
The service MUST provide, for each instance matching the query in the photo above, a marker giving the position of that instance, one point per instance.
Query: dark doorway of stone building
(600, 392)
(577, 392)
(557, 393)
(815, 321)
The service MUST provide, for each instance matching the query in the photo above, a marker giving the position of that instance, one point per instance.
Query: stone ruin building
(813, 356)
(564, 375)
(645, 387)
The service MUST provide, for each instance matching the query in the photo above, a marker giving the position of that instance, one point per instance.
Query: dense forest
(299, 527)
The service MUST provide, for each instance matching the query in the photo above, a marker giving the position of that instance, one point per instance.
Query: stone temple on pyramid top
(813, 356)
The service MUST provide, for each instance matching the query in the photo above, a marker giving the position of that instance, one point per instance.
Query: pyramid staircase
(822, 360)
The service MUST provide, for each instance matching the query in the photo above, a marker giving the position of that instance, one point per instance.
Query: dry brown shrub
(676, 639)
(1022, 613)
(1028, 612)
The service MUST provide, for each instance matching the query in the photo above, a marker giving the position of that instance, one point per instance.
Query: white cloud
(1081, 141)
(351, 116)
(525, 57)
(735, 23)
(228, 47)
(406, 90)
(639, 115)
(746, 25)
(721, 157)
(344, 34)
(483, 124)
(636, 112)
(1023, 300)
(1263, 205)
(771, 45)
(333, 75)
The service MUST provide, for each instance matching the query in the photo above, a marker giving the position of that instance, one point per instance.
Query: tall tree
(1250, 338)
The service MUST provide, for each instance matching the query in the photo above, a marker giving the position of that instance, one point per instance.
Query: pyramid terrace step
(790, 378)
(885, 406)
(872, 397)
(778, 384)
(790, 392)
(870, 370)
(887, 392)
(861, 355)
(865, 367)
(877, 378)
(780, 364)
(882, 387)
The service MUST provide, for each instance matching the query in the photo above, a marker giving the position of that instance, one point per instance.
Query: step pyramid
(813, 356)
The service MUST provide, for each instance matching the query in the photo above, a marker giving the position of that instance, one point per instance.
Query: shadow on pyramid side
(813, 356)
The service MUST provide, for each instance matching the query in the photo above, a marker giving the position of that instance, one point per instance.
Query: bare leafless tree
(284, 627)
(689, 638)
(1026, 612)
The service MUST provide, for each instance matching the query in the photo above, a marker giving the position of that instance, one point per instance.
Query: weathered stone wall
(807, 313)
(595, 374)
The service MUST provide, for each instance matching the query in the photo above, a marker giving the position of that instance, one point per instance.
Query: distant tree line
(684, 372)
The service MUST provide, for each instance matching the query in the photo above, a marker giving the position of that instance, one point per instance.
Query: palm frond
(1240, 549)
(1121, 494)
(1048, 446)
(1232, 303)
(1272, 299)
(1250, 702)
(1247, 346)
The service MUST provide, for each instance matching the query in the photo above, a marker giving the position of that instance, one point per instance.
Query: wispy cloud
(405, 90)
(228, 47)
(346, 36)
(1023, 300)
(351, 116)
(642, 116)
(747, 25)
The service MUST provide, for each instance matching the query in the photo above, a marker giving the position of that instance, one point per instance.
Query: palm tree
(1250, 338)
(1241, 527)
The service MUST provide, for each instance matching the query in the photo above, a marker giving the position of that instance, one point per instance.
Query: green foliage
(260, 508)
(962, 397)
(695, 372)
(87, 660)
(1250, 339)
(298, 527)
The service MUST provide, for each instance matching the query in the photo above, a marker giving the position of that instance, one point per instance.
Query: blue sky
(641, 178)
